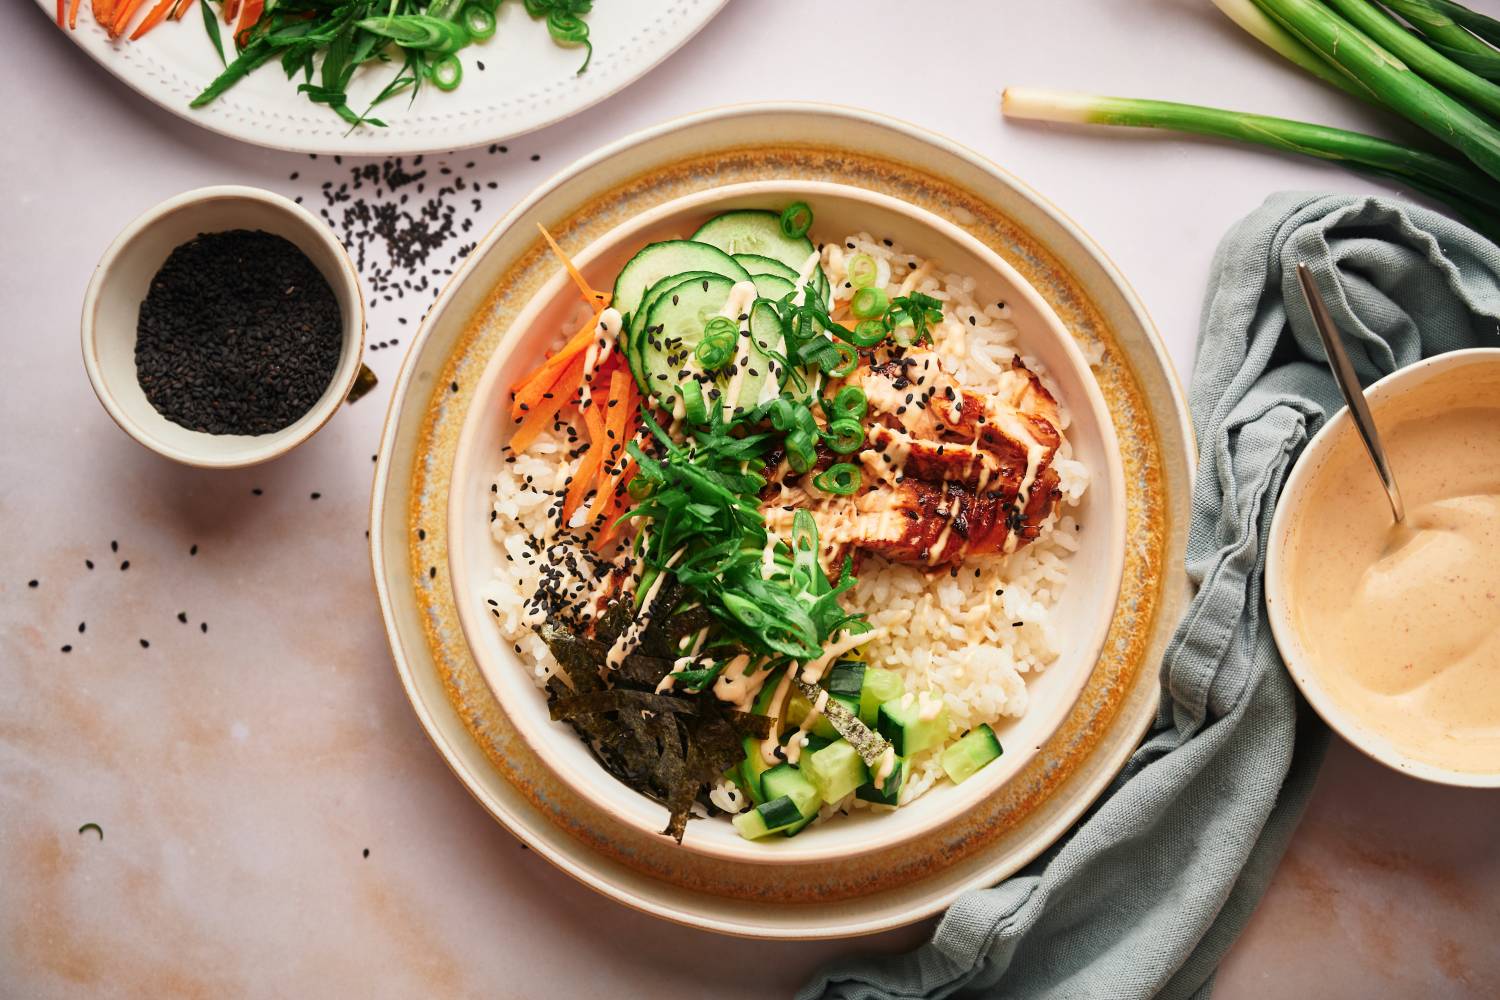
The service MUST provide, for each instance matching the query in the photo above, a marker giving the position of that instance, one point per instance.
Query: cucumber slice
(784, 779)
(673, 329)
(836, 770)
(656, 261)
(971, 752)
(763, 375)
(638, 317)
(902, 722)
(772, 286)
(758, 232)
(889, 792)
(757, 264)
(879, 686)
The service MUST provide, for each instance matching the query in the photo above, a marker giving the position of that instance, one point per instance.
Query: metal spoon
(1348, 382)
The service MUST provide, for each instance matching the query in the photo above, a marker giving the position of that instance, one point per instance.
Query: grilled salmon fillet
(949, 473)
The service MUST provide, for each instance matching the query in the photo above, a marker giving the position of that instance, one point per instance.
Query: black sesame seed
(33, 583)
(203, 627)
(124, 565)
(67, 649)
(145, 644)
(315, 495)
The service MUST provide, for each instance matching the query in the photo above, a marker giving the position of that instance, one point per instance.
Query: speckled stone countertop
(274, 822)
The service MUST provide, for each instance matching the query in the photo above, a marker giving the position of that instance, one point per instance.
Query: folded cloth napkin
(1147, 893)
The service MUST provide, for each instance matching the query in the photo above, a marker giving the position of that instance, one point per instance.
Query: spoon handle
(1348, 382)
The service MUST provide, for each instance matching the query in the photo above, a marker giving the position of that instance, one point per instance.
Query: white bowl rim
(471, 619)
(1278, 610)
(279, 442)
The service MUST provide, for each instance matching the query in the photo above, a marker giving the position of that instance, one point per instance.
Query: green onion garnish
(860, 270)
(850, 402)
(841, 479)
(848, 360)
(447, 72)
(694, 409)
(479, 21)
(716, 348)
(845, 435)
(796, 220)
(868, 303)
(800, 451)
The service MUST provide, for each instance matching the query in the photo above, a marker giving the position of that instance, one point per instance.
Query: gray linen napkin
(1146, 894)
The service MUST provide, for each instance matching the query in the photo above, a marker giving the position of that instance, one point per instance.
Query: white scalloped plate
(527, 82)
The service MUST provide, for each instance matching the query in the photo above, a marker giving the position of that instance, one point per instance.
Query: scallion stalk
(1258, 24)
(1353, 149)
(1448, 36)
(1400, 88)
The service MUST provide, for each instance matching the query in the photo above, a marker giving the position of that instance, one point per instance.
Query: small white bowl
(111, 310)
(1081, 617)
(1405, 384)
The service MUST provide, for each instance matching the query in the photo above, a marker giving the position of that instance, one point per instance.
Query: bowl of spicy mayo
(1392, 631)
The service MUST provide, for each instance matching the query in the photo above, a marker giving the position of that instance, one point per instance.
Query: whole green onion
(861, 270)
(841, 479)
(845, 435)
(796, 220)
(869, 303)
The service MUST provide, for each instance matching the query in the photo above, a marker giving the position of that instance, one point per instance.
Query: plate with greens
(378, 77)
(787, 522)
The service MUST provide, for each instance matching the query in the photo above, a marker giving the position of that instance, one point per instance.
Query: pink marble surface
(241, 774)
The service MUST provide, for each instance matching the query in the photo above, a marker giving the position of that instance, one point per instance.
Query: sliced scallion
(868, 303)
(796, 220)
(860, 270)
(841, 479)
(447, 73)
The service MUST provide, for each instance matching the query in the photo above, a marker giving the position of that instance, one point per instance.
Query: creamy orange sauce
(1402, 622)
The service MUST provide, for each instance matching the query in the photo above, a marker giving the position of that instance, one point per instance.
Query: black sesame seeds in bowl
(223, 327)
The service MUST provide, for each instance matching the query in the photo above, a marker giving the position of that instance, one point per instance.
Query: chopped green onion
(800, 451)
(716, 348)
(479, 21)
(868, 303)
(447, 72)
(567, 28)
(418, 31)
(694, 410)
(850, 402)
(848, 360)
(845, 435)
(796, 220)
(639, 488)
(868, 333)
(860, 270)
(841, 479)
(903, 331)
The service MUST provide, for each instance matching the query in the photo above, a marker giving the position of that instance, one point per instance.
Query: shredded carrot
(539, 418)
(614, 509)
(531, 388)
(230, 9)
(62, 13)
(597, 299)
(588, 465)
(249, 14)
(182, 8)
(153, 19)
(123, 14)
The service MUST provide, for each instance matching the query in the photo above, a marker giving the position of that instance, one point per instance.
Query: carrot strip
(539, 418)
(62, 13)
(588, 466)
(611, 524)
(153, 19)
(230, 9)
(597, 299)
(183, 6)
(122, 17)
(103, 10)
(73, 13)
(249, 14)
(531, 388)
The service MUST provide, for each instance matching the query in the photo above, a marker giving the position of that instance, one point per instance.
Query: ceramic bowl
(1082, 615)
(1405, 387)
(111, 308)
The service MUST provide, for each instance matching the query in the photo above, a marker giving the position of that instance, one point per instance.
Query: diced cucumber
(771, 286)
(767, 818)
(970, 752)
(798, 707)
(656, 261)
(879, 686)
(754, 765)
(757, 264)
(814, 743)
(913, 724)
(889, 792)
(847, 677)
(758, 232)
(836, 770)
(784, 779)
